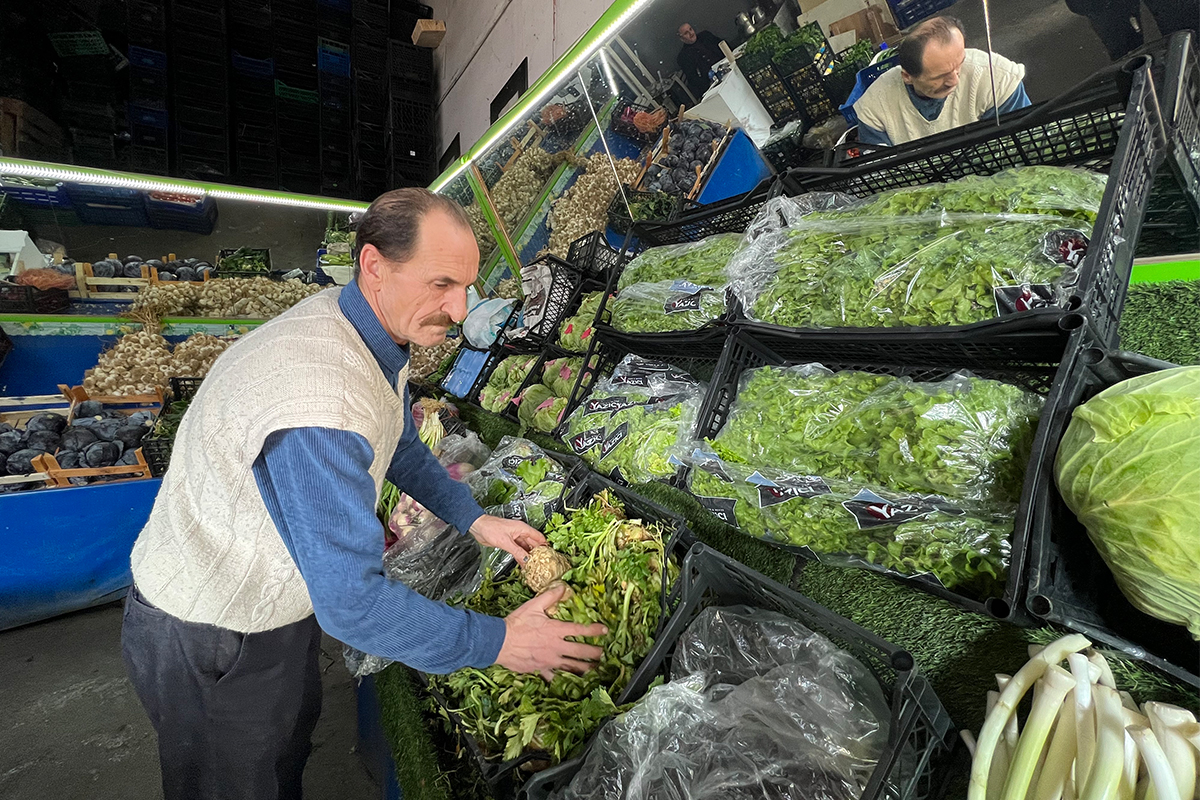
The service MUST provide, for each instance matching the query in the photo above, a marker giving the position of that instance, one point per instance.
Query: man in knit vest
(940, 84)
(264, 531)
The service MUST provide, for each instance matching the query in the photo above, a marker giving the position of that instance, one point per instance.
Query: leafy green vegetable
(534, 472)
(666, 306)
(702, 262)
(1162, 320)
(963, 437)
(945, 254)
(519, 481)
(855, 524)
(505, 381)
(246, 259)
(616, 578)
(1129, 467)
(576, 332)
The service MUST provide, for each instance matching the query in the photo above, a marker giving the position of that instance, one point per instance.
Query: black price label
(713, 467)
(582, 442)
(1065, 246)
(616, 476)
(721, 508)
(1015, 299)
(689, 302)
(872, 511)
(614, 439)
(514, 510)
(510, 463)
(611, 405)
(789, 489)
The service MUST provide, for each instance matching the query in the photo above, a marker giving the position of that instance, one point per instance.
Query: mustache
(438, 320)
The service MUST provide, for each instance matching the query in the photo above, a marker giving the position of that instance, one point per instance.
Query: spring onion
(1048, 697)
(1162, 778)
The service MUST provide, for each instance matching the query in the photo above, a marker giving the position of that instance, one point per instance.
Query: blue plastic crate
(147, 58)
(333, 58)
(910, 12)
(253, 67)
(37, 196)
(465, 370)
(150, 117)
(108, 205)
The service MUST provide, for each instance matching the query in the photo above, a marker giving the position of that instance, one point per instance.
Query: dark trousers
(234, 711)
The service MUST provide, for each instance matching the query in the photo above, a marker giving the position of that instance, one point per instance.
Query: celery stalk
(1109, 760)
(1085, 716)
(1166, 721)
(1162, 778)
(1060, 757)
(1129, 774)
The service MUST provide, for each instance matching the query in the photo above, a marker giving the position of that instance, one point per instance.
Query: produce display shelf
(694, 352)
(1068, 582)
(504, 778)
(921, 734)
(1036, 362)
(727, 216)
(1110, 122)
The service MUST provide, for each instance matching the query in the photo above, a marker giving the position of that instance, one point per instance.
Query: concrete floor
(74, 729)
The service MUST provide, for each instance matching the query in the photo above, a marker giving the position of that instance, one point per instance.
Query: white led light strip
(568, 71)
(65, 173)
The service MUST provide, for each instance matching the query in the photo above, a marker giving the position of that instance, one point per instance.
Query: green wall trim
(1184, 270)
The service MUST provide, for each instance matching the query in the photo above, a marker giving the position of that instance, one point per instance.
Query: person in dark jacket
(700, 51)
(1118, 22)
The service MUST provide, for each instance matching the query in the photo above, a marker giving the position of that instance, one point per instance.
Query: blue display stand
(68, 549)
(37, 364)
(741, 168)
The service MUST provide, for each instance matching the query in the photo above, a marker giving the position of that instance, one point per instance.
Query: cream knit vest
(886, 106)
(210, 552)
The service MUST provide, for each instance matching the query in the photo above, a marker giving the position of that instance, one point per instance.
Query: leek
(1162, 778)
(1048, 698)
(1109, 759)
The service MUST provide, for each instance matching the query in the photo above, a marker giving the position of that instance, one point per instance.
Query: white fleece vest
(210, 552)
(886, 106)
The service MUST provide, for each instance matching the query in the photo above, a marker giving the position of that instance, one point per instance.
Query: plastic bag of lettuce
(505, 381)
(576, 332)
(637, 423)
(702, 262)
(846, 523)
(520, 481)
(664, 306)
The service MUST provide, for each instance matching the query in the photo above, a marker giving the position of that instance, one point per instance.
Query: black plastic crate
(1180, 96)
(594, 257)
(157, 449)
(695, 352)
(294, 179)
(412, 66)
(921, 733)
(910, 12)
(618, 213)
(1068, 583)
(773, 93)
(1110, 123)
(1037, 360)
(18, 299)
(622, 123)
(733, 215)
(566, 283)
(504, 777)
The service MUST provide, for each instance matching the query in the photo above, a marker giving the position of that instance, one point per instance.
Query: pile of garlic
(521, 183)
(258, 298)
(141, 362)
(584, 207)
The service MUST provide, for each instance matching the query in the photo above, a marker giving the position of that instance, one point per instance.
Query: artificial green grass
(1162, 320)
(960, 652)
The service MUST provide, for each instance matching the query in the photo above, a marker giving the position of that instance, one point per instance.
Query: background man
(700, 51)
(940, 84)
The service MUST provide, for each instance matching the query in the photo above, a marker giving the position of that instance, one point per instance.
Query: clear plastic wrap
(962, 545)
(505, 381)
(666, 306)
(635, 427)
(702, 262)
(520, 481)
(759, 706)
(962, 438)
(945, 254)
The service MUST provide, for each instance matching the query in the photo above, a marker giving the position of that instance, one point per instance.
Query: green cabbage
(1129, 467)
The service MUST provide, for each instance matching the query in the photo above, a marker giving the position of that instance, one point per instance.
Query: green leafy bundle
(944, 254)
(576, 332)
(666, 306)
(519, 481)
(963, 437)
(616, 578)
(505, 382)
(701, 262)
(853, 524)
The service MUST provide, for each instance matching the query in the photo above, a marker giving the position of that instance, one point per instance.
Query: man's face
(687, 33)
(940, 67)
(417, 300)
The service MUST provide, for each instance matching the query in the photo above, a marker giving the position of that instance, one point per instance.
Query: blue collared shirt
(316, 486)
(931, 108)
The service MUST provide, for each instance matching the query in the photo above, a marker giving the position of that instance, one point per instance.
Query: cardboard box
(869, 19)
(869, 23)
(428, 32)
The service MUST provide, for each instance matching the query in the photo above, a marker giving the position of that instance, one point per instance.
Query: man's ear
(370, 265)
(905, 76)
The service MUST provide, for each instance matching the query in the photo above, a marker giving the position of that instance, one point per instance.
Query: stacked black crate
(148, 117)
(199, 75)
(297, 103)
(88, 109)
(252, 84)
(411, 139)
(369, 94)
(333, 76)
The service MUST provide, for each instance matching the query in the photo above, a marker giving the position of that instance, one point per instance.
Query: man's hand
(511, 535)
(535, 642)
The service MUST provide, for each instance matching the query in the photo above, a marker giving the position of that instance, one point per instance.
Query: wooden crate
(88, 286)
(18, 410)
(661, 148)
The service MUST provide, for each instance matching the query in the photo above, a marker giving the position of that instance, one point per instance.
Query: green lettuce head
(1129, 467)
